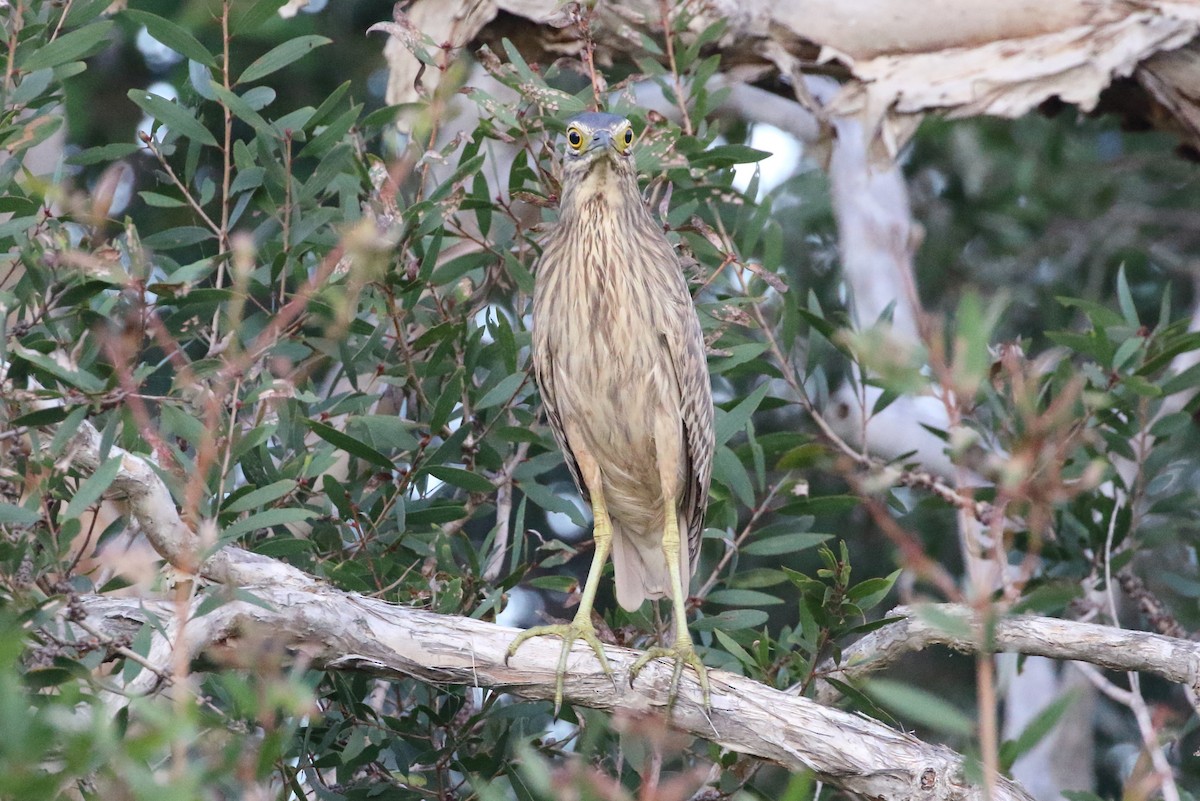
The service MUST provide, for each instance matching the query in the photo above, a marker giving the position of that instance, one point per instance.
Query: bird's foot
(569, 632)
(684, 653)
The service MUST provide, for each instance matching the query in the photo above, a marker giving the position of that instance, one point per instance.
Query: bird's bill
(600, 139)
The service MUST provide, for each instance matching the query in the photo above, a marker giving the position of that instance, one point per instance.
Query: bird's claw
(683, 653)
(569, 633)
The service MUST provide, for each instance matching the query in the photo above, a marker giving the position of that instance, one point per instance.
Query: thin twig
(226, 167)
(1136, 703)
(664, 8)
(758, 512)
(504, 504)
(152, 146)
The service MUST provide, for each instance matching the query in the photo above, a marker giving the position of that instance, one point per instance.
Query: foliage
(319, 330)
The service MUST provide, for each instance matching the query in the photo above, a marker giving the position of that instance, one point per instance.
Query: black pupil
(574, 138)
(628, 136)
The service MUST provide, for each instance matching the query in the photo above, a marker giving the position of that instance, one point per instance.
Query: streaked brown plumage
(619, 357)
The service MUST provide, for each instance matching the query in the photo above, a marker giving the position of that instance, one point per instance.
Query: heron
(619, 358)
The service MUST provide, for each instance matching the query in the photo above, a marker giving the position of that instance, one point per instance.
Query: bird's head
(596, 143)
(595, 134)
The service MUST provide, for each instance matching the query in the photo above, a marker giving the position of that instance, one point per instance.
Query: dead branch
(898, 60)
(960, 628)
(337, 630)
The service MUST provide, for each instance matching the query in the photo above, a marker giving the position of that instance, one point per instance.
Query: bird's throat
(601, 186)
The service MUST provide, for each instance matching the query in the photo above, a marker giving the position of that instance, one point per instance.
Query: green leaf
(501, 392)
(543, 497)
(260, 497)
(41, 678)
(259, 97)
(973, 330)
(180, 237)
(870, 625)
(158, 201)
(1125, 351)
(733, 421)
(727, 156)
(249, 178)
(867, 594)
(434, 514)
(1038, 728)
(742, 598)
(1048, 598)
(1140, 386)
(279, 57)
(785, 543)
(43, 417)
(255, 15)
(241, 109)
(349, 444)
(819, 505)
(506, 340)
(83, 11)
(1188, 379)
(173, 36)
(386, 432)
(71, 46)
(1100, 316)
(755, 578)
(173, 115)
(17, 515)
(1125, 299)
(31, 88)
(863, 701)
(333, 133)
(730, 472)
(738, 355)
(554, 583)
(471, 482)
(286, 548)
(266, 519)
(732, 620)
(915, 705)
(102, 154)
(327, 107)
(31, 132)
(78, 378)
(732, 646)
(93, 487)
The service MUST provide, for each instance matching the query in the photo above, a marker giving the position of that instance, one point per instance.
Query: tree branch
(958, 627)
(346, 631)
(898, 61)
(338, 630)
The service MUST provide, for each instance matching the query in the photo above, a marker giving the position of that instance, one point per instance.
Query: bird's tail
(641, 570)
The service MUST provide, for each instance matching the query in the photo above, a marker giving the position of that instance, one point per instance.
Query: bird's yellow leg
(581, 627)
(682, 651)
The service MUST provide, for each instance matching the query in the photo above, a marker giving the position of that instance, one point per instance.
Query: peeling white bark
(899, 59)
(959, 628)
(344, 631)
(138, 484)
(1012, 76)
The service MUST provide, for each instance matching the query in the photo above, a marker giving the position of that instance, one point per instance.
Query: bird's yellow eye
(575, 139)
(624, 138)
